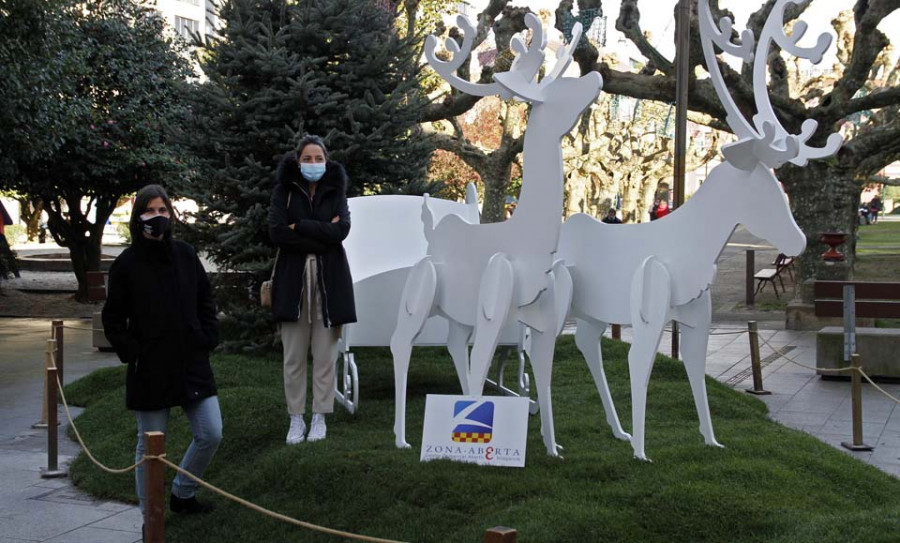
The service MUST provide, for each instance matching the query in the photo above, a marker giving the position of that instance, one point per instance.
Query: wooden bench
(782, 263)
(878, 347)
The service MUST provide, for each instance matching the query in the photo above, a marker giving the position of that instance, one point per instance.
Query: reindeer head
(568, 96)
(765, 142)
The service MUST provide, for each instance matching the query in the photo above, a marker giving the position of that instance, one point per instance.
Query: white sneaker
(296, 432)
(317, 427)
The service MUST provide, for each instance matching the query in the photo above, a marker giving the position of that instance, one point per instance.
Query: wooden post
(750, 272)
(52, 470)
(58, 335)
(48, 363)
(154, 489)
(856, 406)
(617, 331)
(500, 534)
(753, 335)
(675, 338)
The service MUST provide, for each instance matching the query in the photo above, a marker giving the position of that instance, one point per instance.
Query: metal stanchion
(57, 333)
(154, 489)
(617, 331)
(500, 534)
(856, 402)
(753, 334)
(52, 470)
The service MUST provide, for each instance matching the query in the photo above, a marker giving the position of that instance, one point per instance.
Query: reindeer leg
(415, 307)
(587, 338)
(458, 345)
(543, 345)
(694, 339)
(494, 301)
(650, 295)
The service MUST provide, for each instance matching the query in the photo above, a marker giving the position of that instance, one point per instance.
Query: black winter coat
(313, 233)
(160, 317)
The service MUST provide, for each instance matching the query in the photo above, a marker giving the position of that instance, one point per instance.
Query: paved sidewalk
(800, 399)
(33, 509)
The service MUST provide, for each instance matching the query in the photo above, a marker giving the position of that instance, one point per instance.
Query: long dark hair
(144, 196)
(311, 139)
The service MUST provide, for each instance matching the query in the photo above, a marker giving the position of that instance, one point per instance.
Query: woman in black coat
(160, 317)
(312, 291)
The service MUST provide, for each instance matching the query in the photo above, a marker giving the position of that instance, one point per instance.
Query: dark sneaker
(188, 506)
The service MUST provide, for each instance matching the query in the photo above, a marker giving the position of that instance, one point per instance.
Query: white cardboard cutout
(385, 243)
(486, 277)
(649, 274)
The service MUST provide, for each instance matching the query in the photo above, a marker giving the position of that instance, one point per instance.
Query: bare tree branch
(871, 149)
(868, 43)
(629, 23)
(470, 154)
(878, 99)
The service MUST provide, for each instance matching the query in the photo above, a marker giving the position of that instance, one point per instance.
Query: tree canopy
(91, 96)
(278, 70)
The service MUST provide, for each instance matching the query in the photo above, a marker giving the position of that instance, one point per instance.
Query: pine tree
(276, 71)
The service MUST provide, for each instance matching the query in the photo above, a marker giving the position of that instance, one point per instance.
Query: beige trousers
(309, 333)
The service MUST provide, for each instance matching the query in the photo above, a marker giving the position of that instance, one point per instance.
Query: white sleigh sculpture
(387, 241)
(487, 277)
(649, 274)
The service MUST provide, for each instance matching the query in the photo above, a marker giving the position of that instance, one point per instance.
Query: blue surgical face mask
(312, 171)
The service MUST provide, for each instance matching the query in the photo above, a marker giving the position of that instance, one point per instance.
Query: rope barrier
(84, 329)
(162, 458)
(116, 471)
(268, 512)
(834, 370)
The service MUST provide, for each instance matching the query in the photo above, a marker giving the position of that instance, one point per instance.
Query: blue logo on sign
(474, 421)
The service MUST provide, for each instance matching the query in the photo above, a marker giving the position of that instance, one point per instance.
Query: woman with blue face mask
(312, 290)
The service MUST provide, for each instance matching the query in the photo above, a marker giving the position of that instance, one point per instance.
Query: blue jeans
(206, 426)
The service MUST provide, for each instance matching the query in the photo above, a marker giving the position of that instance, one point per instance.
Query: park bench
(782, 264)
(878, 347)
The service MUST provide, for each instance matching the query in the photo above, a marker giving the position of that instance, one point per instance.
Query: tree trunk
(30, 210)
(495, 175)
(83, 238)
(816, 214)
(85, 258)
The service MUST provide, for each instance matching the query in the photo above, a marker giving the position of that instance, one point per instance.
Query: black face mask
(156, 226)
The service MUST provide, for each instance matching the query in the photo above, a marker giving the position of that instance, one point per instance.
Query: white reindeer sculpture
(488, 277)
(670, 263)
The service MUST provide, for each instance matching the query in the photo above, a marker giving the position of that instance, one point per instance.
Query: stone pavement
(32, 508)
(800, 399)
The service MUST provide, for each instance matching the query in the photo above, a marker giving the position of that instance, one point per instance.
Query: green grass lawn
(878, 252)
(770, 483)
(880, 238)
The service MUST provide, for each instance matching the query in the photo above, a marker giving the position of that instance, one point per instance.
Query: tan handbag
(265, 289)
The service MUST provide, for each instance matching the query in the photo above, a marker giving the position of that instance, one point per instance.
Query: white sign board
(486, 430)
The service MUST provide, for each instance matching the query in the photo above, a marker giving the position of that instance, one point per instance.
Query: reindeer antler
(767, 138)
(526, 64)
(773, 31)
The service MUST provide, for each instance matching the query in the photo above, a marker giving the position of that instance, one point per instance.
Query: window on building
(184, 26)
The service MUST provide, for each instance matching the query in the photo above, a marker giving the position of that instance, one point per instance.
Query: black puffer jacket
(160, 317)
(313, 233)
